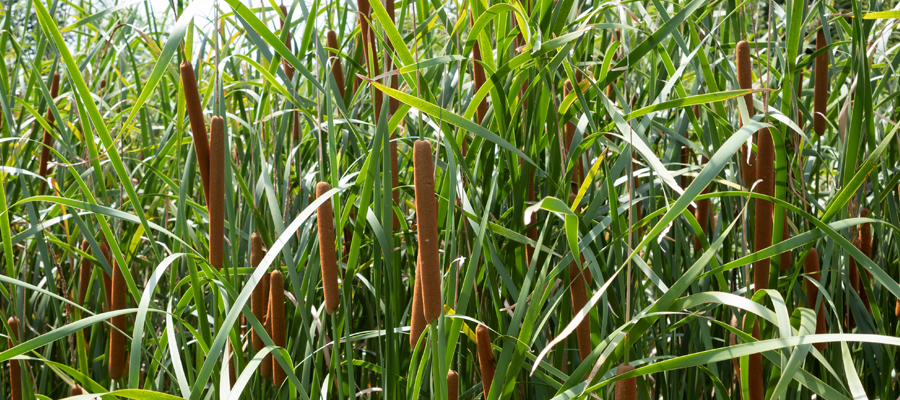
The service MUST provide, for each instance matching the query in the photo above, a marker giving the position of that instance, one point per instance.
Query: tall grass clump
(449, 200)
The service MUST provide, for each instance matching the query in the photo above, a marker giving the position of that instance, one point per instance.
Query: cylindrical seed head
(820, 90)
(452, 385)
(785, 261)
(48, 138)
(327, 254)
(76, 390)
(216, 201)
(485, 358)
(259, 300)
(198, 124)
(764, 208)
(578, 290)
(266, 368)
(336, 70)
(276, 306)
(417, 323)
(107, 280)
(15, 370)
(626, 389)
(756, 379)
(744, 72)
(84, 273)
(116, 335)
(426, 219)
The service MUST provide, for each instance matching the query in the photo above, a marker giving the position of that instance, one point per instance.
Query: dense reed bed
(449, 200)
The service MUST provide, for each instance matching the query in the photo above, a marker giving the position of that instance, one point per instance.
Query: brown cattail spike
(259, 300)
(266, 368)
(820, 94)
(417, 323)
(811, 268)
(15, 369)
(452, 385)
(102, 83)
(757, 384)
(276, 314)
(288, 68)
(84, 273)
(336, 70)
(216, 201)
(107, 280)
(702, 216)
(763, 227)
(198, 124)
(327, 254)
(48, 138)
(116, 335)
(580, 280)
(744, 73)
(369, 51)
(626, 389)
(478, 77)
(485, 358)
(76, 391)
(426, 220)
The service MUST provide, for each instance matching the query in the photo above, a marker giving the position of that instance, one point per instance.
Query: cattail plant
(288, 68)
(452, 385)
(757, 383)
(76, 391)
(276, 318)
(216, 200)
(417, 316)
(266, 369)
(116, 333)
(369, 51)
(765, 171)
(336, 70)
(107, 280)
(578, 289)
(395, 180)
(198, 124)
(485, 358)
(820, 94)
(327, 254)
(232, 372)
(478, 77)
(43, 168)
(811, 268)
(626, 389)
(15, 369)
(84, 273)
(745, 80)
(610, 89)
(259, 299)
(102, 84)
(426, 219)
(393, 104)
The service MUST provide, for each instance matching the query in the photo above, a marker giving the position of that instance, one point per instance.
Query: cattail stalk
(116, 335)
(84, 273)
(426, 219)
(745, 80)
(811, 268)
(820, 94)
(764, 208)
(259, 300)
(216, 201)
(43, 168)
(15, 369)
(578, 290)
(485, 358)
(417, 323)
(369, 51)
(336, 70)
(757, 383)
(289, 71)
(266, 369)
(626, 389)
(276, 316)
(327, 250)
(452, 385)
(198, 124)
